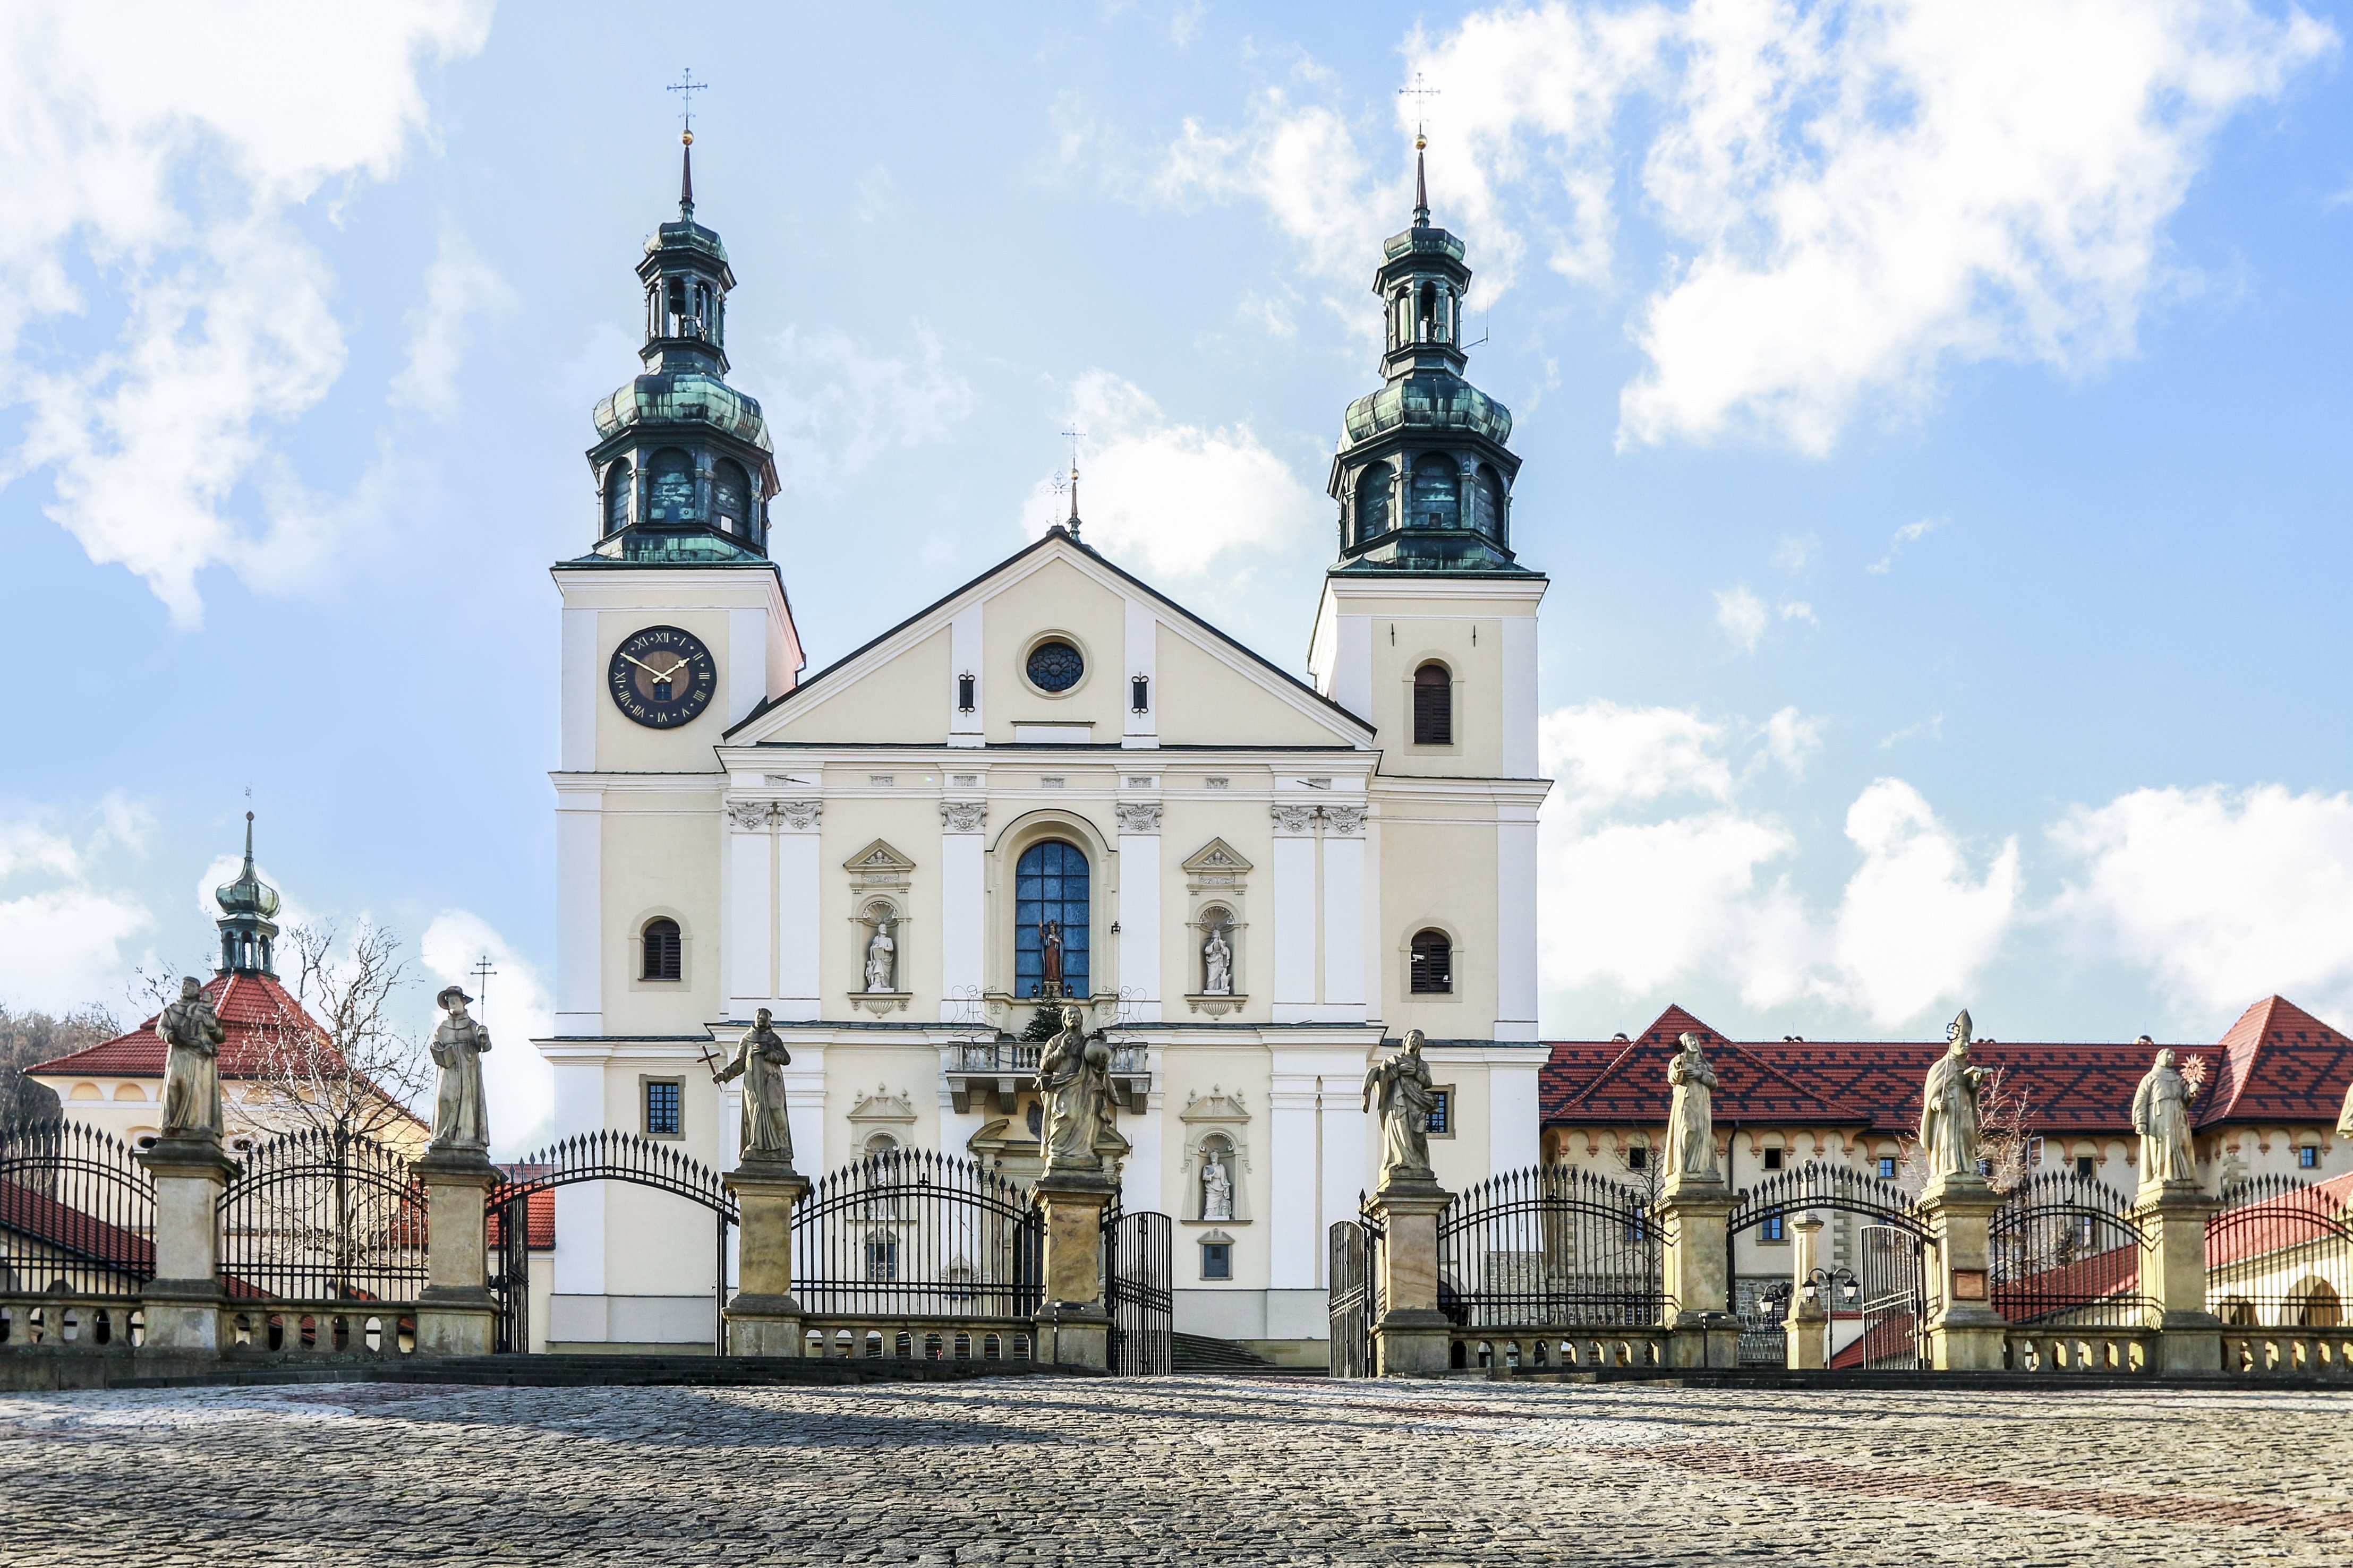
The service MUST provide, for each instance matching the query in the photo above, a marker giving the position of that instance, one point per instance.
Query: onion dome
(247, 905)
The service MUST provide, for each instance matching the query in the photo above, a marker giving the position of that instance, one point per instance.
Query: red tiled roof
(250, 1005)
(2298, 1218)
(540, 1206)
(69, 1230)
(2277, 1064)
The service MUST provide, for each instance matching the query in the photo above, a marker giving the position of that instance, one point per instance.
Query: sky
(1933, 420)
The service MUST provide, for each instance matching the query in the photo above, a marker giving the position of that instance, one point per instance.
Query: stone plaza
(1193, 1470)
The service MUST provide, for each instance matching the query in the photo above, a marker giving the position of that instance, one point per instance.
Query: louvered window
(663, 955)
(1433, 706)
(1432, 964)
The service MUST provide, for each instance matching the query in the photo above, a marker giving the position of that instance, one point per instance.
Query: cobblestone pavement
(1207, 1470)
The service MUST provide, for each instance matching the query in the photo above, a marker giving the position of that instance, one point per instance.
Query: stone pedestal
(1074, 1319)
(1411, 1338)
(1692, 1218)
(2172, 1218)
(1965, 1333)
(762, 1318)
(1809, 1321)
(456, 1314)
(183, 1303)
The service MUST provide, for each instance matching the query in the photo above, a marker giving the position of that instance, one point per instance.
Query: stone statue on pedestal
(1690, 1118)
(882, 958)
(1073, 1083)
(2160, 1114)
(760, 1061)
(192, 1041)
(461, 1116)
(1405, 1097)
(1217, 965)
(1217, 1189)
(1948, 1107)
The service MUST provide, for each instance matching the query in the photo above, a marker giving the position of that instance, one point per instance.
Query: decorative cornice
(1344, 820)
(802, 816)
(1138, 816)
(749, 815)
(1297, 820)
(963, 816)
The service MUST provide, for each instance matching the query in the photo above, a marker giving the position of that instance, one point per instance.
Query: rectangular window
(2087, 1165)
(1638, 1158)
(1441, 1114)
(1771, 1229)
(882, 1257)
(665, 1109)
(1773, 1158)
(1887, 1167)
(2308, 1157)
(1216, 1260)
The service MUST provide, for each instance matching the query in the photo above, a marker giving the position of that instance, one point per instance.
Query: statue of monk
(1948, 1107)
(461, 1115)
(192, 1035)
(2160, 1114)
(760, 1061)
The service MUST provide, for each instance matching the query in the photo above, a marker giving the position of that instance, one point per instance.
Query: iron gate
(911, 1233)
(76, 1209)
(1354, 1255)
(322, 1215)
(2279, 1253)
(2065, 1250)
(1888, 1270)
(609, 1155)
(1137, 1267)
(1549, 1247)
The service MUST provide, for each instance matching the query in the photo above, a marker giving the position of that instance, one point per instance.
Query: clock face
(662, 677)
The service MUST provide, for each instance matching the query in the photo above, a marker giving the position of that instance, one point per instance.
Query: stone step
(1202, 1354)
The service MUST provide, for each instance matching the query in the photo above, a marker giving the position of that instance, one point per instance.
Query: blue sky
(1934, 421)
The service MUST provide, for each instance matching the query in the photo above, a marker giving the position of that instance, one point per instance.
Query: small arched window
(670, 498)
(1431, 968)
(1429, 313)
(1487, 503)
(730, 497)
(616, 495)
(1372, 502)
(1433, 705)
(664, 952)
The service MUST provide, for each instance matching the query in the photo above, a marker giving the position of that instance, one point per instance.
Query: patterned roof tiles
(250, 1005)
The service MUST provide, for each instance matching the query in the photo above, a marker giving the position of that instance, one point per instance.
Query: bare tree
(29, 1035)
(349, 1069)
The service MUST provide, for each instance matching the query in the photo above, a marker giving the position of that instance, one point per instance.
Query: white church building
(1053, 776)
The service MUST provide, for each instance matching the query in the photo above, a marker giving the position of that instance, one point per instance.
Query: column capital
(1292, 821)
(1138, 817)
(963, 816)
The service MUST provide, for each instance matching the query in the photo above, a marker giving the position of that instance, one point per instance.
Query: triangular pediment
(1216, 857)
(1206, 689)
(877, 858)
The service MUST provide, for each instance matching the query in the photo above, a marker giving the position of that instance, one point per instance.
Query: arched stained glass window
(1050, 910)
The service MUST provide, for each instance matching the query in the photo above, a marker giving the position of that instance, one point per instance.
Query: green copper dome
(675, 397)
(1434, 402)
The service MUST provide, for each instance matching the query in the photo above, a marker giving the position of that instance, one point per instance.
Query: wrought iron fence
(918, 1233)
(1138, 1268)
(1550, 1245)
(2279, 1253)
(1820, 1185)
(321, 1215)
(77, 1212)
(2065, 1250)
(1893, 1282)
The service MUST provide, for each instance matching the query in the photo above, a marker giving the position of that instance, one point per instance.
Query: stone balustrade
(858, 1336)
(2289, 1352)
(290, 1330)
(1555, 1349)
(58, 1324)
(2084, 1349)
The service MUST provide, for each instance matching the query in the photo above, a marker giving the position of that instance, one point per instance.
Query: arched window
(670, 498)
(1372, 502)
(1435, 502)
(1487, 502)
(1429, 313)
(616, 495)
(1432, 969)
(1433, 705)
(2316, 1305)
(1050, 911)
(730, 497)
(663, 951)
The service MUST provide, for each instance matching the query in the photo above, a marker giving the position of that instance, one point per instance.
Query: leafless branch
(357, 1072)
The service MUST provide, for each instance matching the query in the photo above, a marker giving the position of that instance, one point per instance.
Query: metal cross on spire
(1421, 96)
(1074, 436)
(686, 87)
(482, 972)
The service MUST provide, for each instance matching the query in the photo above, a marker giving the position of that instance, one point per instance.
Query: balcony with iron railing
(1005, 1067)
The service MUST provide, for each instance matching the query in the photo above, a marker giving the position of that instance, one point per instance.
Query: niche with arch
(1216, 878)
(1217, 1129)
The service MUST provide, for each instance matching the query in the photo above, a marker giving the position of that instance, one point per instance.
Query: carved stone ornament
(748, 814)
(1138, 816)
(1344, 820)
(878, 868)
(801, 815)
(963, 816)
(1215, 866)
(1292, 819)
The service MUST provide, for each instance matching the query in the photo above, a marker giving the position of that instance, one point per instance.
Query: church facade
(1056, 784)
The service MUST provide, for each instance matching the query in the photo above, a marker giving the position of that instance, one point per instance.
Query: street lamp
(1826, 1288)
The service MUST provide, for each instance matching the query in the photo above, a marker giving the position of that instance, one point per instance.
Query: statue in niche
(1217, 965)
(461, 1115)
(1691, 1116)
(882, 957)
(1948, 1107)
(1074, 1085)
(760, 1061)
(2160, 1114)
(1050, 959)
(1217, 1186)
(1402, 1088)
(192, 1035)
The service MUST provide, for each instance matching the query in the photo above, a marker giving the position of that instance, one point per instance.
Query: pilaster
(762, 1318)
(799, 827)
(1809, 1318)
(1965, 1332)
(1139, 909)
(963, 911)
(455, 1313)
(1694, 1216)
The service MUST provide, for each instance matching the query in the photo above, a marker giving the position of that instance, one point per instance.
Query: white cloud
(1639, 890)
(1175, 498)
(1915, 926)
(155, 155)
(62, 931)
(1850, 194)
(835, 406)
(2224, 896)
(1799, 610)
(1910, 533)
(1795, 549)
(1742, 617)
(458, 286)
(1932, 727)
(517, 1008)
